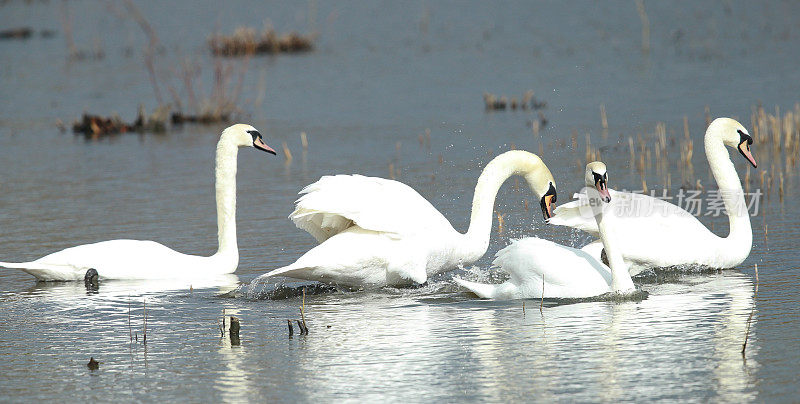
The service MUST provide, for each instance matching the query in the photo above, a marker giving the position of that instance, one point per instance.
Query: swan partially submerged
(653, 233)
(541, 268)
(375, 232)
(140, 259)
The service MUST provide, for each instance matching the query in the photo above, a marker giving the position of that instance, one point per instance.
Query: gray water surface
(383, 73)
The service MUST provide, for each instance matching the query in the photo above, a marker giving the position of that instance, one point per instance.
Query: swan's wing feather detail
(570, 215)
(335, 203)
(631, 212)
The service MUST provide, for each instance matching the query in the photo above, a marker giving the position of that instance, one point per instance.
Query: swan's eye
(744, 137)
(254, 134)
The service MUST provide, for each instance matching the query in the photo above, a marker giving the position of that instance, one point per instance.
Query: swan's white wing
(637, 212)
(574, 214)
(651, 232)
(334, 203)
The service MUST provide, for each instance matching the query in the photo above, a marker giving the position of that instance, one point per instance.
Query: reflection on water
(492, 351)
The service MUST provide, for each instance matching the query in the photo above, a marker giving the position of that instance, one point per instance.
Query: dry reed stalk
(588, 147)
(747, 180)
(144, 326)
(287, 153)
(541, 302)
(603, 119)
(752, 310)
(645, 26)
(686, 127)
(630, 146)
(500, 222)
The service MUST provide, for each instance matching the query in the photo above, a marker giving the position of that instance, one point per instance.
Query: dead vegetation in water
(221, 105)
(190, 101)
(96, 126)
(247, 41)
(492, 102)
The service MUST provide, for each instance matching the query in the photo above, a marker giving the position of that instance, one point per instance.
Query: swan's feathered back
(335, 203)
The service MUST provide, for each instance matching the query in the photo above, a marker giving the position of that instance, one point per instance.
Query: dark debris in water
(494, 103)
(637, 296)
(16, 33)
(673, 274)
(95, 126)
(281, 291)
(245, 41)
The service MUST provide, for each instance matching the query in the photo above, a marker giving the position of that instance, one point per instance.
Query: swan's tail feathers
(33, 266)
(43, 271)
(483, 290)
(576, 214)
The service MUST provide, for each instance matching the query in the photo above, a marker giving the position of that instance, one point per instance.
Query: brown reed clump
(94, 126)
(16, 33)
(221, 105)
(246, 41)
(493, 102)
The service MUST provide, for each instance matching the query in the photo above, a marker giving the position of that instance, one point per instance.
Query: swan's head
(541, 181)
(734, 135)
(244, 135)
(597, 177)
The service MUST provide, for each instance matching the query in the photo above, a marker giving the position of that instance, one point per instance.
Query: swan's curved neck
(740, 237)
(226, 197)
(498, 170)
(620, 278)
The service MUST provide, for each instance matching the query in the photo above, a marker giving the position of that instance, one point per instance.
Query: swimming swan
(541, 267)
(375, 232)
(653, 233)
(138, 259)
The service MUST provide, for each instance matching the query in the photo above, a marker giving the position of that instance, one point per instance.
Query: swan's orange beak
(548, 206)
(602, 188)
(744, 148)
(260, 145)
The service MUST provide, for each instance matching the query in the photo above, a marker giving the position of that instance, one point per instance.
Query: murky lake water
(382, 74)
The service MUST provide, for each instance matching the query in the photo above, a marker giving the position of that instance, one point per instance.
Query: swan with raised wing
(541, 268)
(139, 259)
(653, 233)
(375, 232)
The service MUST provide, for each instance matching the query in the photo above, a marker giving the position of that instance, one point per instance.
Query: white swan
(137, 259)
(653, 233)
(376, 232)
(542, 268)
